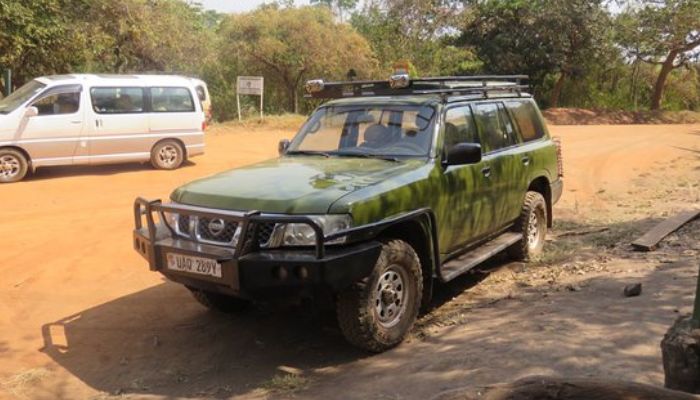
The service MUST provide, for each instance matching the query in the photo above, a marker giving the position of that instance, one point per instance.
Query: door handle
(76, 122)
(526, 160)
(486, 171)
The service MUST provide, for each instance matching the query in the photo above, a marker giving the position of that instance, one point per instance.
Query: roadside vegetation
(609, 55)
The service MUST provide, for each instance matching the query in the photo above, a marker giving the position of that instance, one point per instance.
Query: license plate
(193, 265)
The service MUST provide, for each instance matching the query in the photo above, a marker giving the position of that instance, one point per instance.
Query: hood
(291, 184)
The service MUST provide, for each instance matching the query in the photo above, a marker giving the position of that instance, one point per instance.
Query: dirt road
(81, 317)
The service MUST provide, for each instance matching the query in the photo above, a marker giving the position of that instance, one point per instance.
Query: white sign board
(250, 85)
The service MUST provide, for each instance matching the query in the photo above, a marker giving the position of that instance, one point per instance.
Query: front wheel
(377, 312)
(13, 166)
(167, 154)
(532, 223)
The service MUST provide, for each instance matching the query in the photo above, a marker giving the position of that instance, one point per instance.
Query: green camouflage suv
(386, 189)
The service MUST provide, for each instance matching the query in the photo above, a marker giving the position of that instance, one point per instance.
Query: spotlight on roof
(314, 86)
(399, 81)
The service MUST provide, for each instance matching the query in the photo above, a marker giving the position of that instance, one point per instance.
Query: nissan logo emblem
(216, 226)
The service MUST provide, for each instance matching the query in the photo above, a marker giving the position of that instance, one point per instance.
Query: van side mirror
(463, 153)
(283, 146)
(31, 112)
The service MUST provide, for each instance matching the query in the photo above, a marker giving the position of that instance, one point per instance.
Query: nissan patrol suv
(388, 188)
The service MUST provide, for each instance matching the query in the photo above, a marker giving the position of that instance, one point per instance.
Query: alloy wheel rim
(390, 296)
(534, 229)
(9, 166)
(168, 155)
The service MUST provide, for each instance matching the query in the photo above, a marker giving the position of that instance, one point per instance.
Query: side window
(527, 119)
(493, 133)
(510, 136)
(201, 93)
(171, 99)
(62, 102)
(117, 100)
(459, 126)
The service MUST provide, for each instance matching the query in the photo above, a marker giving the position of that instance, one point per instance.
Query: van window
(526, 118)
(171, 99)
(117, 100)
(63, 102)
(459, 126)
(201, 93)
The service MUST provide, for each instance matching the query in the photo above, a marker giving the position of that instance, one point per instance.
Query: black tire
(13, 166)
(219, 302)
(365, 309)
(167, 154)
(532, 222)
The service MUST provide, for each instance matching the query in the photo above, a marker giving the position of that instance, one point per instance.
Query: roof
(116, 80)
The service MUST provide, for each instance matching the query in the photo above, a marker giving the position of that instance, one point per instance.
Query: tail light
(204, 126)
(560, 160)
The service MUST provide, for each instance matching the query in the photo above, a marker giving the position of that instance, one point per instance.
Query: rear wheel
(533, 225)
(219, 302)
(13, 166)
(377, 312)
(167, 154)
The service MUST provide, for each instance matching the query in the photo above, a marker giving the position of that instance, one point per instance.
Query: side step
(469, 260)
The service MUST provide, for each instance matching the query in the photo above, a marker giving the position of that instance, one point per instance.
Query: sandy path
(66, 253)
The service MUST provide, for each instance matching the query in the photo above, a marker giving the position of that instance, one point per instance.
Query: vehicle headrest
(376, 133)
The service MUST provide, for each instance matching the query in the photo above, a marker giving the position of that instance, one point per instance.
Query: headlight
(304, 235)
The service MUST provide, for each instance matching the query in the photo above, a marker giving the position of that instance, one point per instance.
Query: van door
(119, 125)
(52, 136)
(174, 113)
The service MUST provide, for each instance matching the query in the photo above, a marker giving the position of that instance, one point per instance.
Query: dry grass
(287, 383)
(18, 383)
(284, 122)
(580, 116)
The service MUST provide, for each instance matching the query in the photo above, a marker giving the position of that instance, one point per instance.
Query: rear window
(201, 93)
(528, 120)
(171, 99)
(117, 100)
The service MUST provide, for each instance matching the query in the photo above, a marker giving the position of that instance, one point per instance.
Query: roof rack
(402, 85)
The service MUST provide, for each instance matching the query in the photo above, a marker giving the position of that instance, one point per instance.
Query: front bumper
(253, 272)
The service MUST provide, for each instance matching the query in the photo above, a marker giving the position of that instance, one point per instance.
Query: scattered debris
(651, 239)
(633, 290)
(584, 232)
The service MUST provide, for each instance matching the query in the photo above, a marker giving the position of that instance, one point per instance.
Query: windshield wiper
(367, 155)
(308, 153)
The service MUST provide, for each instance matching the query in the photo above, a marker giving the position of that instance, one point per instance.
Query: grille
(265, 232)
(216, 230)
(183, 224)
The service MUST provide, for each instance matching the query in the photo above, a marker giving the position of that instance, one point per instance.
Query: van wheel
(13, 166)
(377, 312)
(533, 225)
(167, 154)
(219, 302)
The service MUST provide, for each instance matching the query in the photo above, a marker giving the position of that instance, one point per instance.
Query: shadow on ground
(67, 171)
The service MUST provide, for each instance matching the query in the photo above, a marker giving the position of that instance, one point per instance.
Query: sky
(238, 5)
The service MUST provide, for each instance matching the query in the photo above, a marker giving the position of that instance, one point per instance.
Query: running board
(471, 259)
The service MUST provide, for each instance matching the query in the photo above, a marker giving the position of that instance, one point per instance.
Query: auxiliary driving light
(314, 86)
(399, 81)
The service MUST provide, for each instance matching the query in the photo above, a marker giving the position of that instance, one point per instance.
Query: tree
(338, 7)
(290, 45)
(661, 32)
(540, 38)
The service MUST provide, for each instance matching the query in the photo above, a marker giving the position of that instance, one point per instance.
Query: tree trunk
(292, 94)
(666, 69)
(556, 92)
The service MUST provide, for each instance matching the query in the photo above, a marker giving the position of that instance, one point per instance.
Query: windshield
(20, 96)
(377, 130)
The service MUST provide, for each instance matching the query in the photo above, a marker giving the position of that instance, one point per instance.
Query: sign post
(249, 85)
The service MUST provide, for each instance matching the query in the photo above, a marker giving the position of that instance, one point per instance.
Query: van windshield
(20, 96)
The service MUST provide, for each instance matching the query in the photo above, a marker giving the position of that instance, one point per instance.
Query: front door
(52, 136)
(465, 207)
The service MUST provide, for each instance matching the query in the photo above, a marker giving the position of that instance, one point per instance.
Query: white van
(97, 119)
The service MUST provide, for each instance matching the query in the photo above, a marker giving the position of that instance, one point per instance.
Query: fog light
(302, 272)
(281, 273)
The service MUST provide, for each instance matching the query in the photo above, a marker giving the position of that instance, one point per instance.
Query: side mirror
(463, 153)
(31, 112)
(283, 146)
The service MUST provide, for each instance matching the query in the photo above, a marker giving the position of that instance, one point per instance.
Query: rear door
(174, 112)
(118, 124)
(500, 146)
(51, 138)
